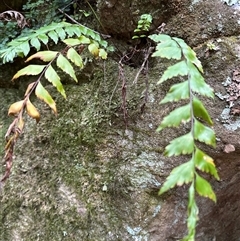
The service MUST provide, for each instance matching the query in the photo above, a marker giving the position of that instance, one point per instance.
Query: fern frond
(193, 112)
(20, 47)
(71, 54)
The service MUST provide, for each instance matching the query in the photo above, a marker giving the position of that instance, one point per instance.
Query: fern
(194, 113)
(143, 26)
(64, 59)
(20, 47)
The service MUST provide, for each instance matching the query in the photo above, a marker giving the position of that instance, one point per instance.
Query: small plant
(195, 115)
(211, 46)
(143, 26)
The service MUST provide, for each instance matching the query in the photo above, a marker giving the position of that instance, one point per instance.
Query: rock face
(194, 21)
(119, 18)
(88, 175)
(12, 5)
(198, 22)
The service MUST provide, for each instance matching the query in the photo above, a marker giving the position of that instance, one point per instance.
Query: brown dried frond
(14, 16)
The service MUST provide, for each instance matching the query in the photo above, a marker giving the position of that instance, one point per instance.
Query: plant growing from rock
(143, 26)
(195, 116)
(71, 54)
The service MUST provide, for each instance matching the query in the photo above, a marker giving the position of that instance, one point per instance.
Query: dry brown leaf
(14, 16)
(15, 107)
(32, 111)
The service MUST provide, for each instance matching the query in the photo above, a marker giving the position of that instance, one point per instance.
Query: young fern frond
(143, 26)
(64, 60)
(20, 47)
(194, 113)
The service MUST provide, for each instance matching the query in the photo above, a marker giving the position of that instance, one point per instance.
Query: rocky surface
(86, 175)
(119, 18)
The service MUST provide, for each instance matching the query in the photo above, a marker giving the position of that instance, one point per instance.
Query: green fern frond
(20, 47)
(194, 113)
